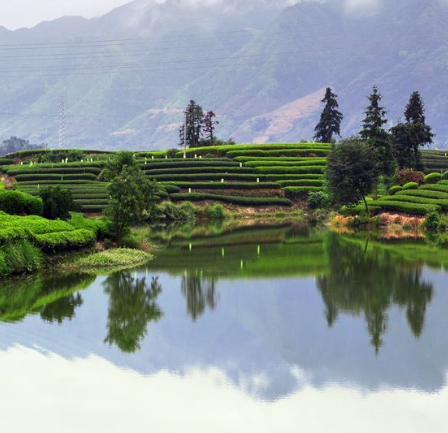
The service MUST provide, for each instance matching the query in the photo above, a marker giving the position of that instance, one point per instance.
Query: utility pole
(185, 134)
(61, 122)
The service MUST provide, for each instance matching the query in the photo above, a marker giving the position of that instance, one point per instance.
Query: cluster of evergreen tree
(397, 146)
(357, 164)
(198, 128)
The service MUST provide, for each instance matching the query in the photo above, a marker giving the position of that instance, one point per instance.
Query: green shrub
(305, 162)
(319, 200)
(410, 185)
(302, 182)
(19, 203)
(216, 212)
(61, 177)
(300, 192)
(245, 201)
(432, 178)
(291, 170)
(432, 221)
(424, 193)
(309, 152)
(225, 185)
(58, 203)
(189, 163)
(56, 242)
(19, 170)
(445, 175)
(200, 170)
(394, 189)
(205, 176)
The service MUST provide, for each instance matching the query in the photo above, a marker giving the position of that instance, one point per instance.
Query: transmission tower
(61, 122)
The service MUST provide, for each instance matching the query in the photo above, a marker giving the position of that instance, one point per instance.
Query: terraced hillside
(244, 175)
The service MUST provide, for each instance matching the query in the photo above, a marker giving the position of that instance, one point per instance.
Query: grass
(114, 259)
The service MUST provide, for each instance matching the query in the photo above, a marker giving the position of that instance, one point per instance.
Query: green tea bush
(432, 178)
(306, 162)
(245, 201)
(394, 189)
(291, 170)
(61, 177)
(438, 187)
(189, 163)
(410, 185)
(226, 185)
(56, 242)
(19, 203)
(172, 212)
(424, 193)
(200, 170)
(302, 182)
(445, 175)
(18, 170)
(421, 200)
(310, 152)
(300, 192)
(205, 176)
(411, 208)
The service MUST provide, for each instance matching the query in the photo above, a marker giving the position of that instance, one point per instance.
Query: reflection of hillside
(368, 281)
(258, 252)
(52, 297)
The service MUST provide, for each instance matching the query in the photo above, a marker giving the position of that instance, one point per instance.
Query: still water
(261, 329)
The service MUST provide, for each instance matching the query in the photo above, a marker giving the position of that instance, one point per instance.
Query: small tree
(374, 133)
(191, 130)
(58, 203)
(352, 171)
(330, 119)
(132, 195)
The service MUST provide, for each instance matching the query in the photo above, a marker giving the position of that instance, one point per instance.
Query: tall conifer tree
(408, 137)
(330, 119)
(374, 133)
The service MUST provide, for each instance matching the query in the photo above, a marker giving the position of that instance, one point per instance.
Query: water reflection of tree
(369, 282)
(61, 309)
(132, 305)
(199, 293)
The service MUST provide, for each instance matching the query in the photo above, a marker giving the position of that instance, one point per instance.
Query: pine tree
(330, 119)
(408, 137)
(374, 133)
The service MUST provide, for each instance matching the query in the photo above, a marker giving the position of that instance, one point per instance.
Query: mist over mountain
(260, 65)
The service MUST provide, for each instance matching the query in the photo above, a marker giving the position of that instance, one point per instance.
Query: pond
(268, 328)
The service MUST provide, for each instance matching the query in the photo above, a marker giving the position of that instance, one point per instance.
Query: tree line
(357, 164)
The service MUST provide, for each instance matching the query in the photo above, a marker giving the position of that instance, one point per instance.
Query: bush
(172, 212)
(394, 189)
(291, 170)
(58, 203)
(319, 200)
(216, 212)
(432, 178)
(432, 221)
(61, 177)
(19, 203)
(200, 170)
(225, 185)
(244, 201)
(300, 192)
(56, 242)
(410, 185)
(405, 176)
(445, 175)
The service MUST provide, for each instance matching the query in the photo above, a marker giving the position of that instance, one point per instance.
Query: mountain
(261, 65)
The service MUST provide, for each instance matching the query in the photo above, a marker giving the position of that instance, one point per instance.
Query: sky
(15, 14)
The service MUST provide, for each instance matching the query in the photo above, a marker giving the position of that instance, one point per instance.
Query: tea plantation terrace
(244, 175)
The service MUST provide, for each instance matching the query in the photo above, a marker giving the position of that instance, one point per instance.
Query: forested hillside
(126, 77)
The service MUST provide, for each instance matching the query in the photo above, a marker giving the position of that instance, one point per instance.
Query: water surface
(261, 329)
